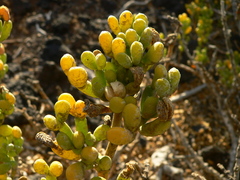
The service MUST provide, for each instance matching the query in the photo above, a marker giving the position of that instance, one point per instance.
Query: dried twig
(226, 32)
(236, 170)
(187, 94)
(226, 173)
(185, 67)
(214, 88)
(235, 7)
(131, 3)
(41, 92)
(198, 176)
(204, 166)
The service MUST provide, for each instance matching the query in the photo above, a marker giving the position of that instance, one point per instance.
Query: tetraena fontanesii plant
(131, 52)
(11, 140)
(200, 18)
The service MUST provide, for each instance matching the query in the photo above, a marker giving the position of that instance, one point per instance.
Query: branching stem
(111, 148)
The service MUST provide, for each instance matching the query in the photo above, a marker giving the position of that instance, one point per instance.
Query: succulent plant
(119, 69)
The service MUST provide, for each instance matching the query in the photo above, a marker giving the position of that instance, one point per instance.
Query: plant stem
(81, 125)
(116, 122)
(111, 148)
(67, 130)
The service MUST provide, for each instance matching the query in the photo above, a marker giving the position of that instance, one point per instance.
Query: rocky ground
(44, 30)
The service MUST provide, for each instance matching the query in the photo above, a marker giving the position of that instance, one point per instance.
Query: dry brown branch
(198, 176)
(226, 32)
(221, 108)
(39, 89)
(187, 94)
(235, 7)
(131, 3)
(185, 67)
(198, 159)
(226, 173)
(236, 170)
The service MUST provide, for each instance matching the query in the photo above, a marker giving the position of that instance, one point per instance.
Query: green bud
(132, 117)
(155, 127)
(146, 37)
(162, 87)
(119, 136)
(64, 141)
(99, 84)
(78, 139)
(11, 150)
(130, 99)
(6, 107)
(18, 149)
(117, 104)
(154, 54)
(141, 16)
(131, 36)
(51, 123)
(89, 60)
(4, 157)
(174, 78)
(62, 110)
(139, 25)
(100, 61)
(5, 167)
(87, 89)
(18, 141)
(90, 139)
(122, 35)
(3, 57)
(100, 132)
(89, 154)
(6, 30)
(160, 71)
(149, 107)
(5, 130)
(124, 60)
(110, 75)
(110, 66)
(41, 167)
(105, 163)
(136, 51)
(75, 171)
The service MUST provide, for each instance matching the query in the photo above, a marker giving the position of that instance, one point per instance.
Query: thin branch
(185, 67)
(131, 3)
(198, 176)
(39, 89)
(226, 33)
(221, 106)
(187, 94)
(236, 169)
(226, 173)
(235, 7)
(204, 166)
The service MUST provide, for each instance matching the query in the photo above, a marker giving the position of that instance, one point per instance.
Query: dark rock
(54, 50)
(51, 78)
(172, 6)
(108, 5)
(61, 24)
(214, 155)
(16, 119)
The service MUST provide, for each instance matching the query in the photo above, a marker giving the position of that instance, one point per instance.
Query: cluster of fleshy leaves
(126, 56)
(11, 140)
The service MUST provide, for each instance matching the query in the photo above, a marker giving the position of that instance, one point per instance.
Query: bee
(45, 139)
